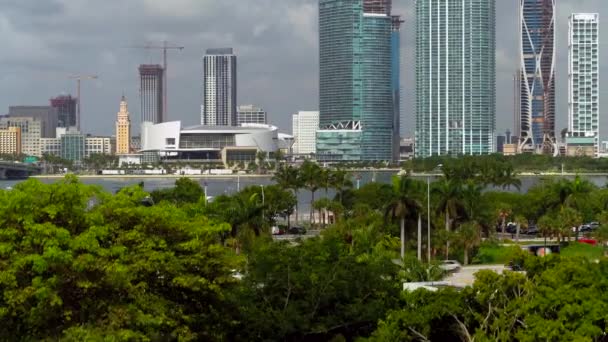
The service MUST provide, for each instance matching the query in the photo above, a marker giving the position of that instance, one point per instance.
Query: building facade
(66, 110)
(10, 140)
(72, 146)
(536, 92)
(583, 80)
(97, 145)
(455, 77)
(251, 114)
(219, 88)
(31, 133)
(214, 144)
(47, 116)
(356, 89)
(123, 128)
(151, 93)
(304, 131)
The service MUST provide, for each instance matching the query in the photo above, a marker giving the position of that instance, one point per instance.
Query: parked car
(593, 225)
(297, 231)
(450, 266)
(278, 230)
(532, 230)
(585, 228)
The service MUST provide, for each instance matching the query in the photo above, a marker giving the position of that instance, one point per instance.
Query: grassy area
(582, 250)
(494, 254)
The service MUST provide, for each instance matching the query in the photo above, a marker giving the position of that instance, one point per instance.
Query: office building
(251, 114)
(537, 77)
(455, 77)
(47, 116)
(219, 88)
(50, 146)
(123, 128)
(304, 130)
(31, 133)
(151, 93)
(66, 110)
(170, 142)
(72, 146)
(583, 84)
(396, 85)
(97, 145)
(10, 141)
(356, 84)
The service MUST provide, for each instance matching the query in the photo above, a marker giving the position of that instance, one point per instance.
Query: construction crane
(164, 47)
(78, 79)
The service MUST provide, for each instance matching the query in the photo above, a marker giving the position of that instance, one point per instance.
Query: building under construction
(66, 110)
(537, 77)
(151, 93)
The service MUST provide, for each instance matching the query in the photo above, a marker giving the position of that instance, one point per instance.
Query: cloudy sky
(44, 41)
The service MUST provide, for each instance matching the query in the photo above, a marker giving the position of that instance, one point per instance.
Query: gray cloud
(46, 40)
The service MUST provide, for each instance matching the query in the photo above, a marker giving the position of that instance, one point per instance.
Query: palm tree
(261, 159)
(509, 178)
(341, 181)
(405, 204)
(310, 174)
(450, 201)
(546, 227)
(471, 194)
(288, 178)
(469, 237)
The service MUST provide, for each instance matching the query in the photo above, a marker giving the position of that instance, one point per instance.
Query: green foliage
(582, 250)
(185, 191)
(316, 290)
(80, 264)
(490, 253)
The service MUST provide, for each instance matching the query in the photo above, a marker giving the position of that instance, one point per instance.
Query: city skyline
(276, 48)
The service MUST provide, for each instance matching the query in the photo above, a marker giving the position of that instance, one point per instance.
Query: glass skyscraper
(455, 77)
(219, 88)
(537, 76)
(356, 99)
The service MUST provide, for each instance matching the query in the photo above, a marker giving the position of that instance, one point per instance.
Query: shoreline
(151, 176)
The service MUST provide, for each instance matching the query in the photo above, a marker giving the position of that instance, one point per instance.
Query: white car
(450, 266)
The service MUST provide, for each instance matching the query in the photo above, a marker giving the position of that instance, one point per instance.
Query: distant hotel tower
(583, 79)
(123, 129)
(537, 76)
(219, 88)
(357, 74)
(151, 93)
(66, 110)
(455, 77)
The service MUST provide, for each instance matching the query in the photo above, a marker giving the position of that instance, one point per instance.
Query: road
(466, 276)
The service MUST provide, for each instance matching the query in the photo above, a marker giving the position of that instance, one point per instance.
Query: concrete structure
(31, 133)
(406, 149)
(250, 114)
(455, 77)
(97, 145)
(50, 146)
(123, 128)
(47, 116)
(10, 140)
(66, 110)
(12, 170)
(581, 146)
(304, 130)
(536, 122)
(219, 88)
(227, 144)
(151, 93)
(358, 45)
(583, 82)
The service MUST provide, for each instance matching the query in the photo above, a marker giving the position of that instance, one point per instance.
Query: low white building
(227, 144)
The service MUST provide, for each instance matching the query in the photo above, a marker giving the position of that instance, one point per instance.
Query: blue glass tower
(356, 83)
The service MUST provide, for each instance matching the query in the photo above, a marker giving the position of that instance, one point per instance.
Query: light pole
(428, 218)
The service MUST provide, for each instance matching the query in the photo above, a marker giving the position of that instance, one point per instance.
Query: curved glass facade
(355, 81)
(455, 77)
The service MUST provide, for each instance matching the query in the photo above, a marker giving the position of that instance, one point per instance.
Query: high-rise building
(66, 110)
(583, 80)
(151, 93)
(47, 116)
(219, 88)
(247, 114)
(396, 82)
(356, 90)
(31, 133)
(455, 77)
(10, 140)
(305, 126)
(123, 129)
(537, 76)
(72, 146)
